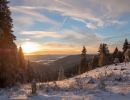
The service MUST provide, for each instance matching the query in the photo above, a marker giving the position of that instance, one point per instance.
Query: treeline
(104, 57)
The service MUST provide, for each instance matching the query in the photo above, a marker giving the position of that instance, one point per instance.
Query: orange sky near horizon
(58, 51)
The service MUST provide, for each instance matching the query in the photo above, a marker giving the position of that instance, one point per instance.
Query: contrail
(62, 24)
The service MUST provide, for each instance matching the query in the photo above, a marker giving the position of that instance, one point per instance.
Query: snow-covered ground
(106, 83)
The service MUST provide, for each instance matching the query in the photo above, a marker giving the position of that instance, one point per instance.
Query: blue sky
(64, 26)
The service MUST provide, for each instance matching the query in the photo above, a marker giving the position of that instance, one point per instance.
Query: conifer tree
(115, 53)
(83, 63)
(29, 72)
(6, 25)
(21, 66)
(21, 58)
(8, 49)
(118, 54)
(94, 62)
(127, 53)
(103, 55)
(125, 46)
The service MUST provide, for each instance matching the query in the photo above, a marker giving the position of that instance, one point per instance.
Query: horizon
(65, 26)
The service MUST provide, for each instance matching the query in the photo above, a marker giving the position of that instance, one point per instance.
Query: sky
(64, 26)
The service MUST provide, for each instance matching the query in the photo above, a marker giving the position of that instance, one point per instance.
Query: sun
(30, 47)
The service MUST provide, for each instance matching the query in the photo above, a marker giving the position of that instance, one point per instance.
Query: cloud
(68, 36)
(65, 48)
(59, 45)
(41, 34)
(35, 15)
(64, 35)
(81, 37)
(94, 13)
(68, 40)
(22, 22)
(92, 26)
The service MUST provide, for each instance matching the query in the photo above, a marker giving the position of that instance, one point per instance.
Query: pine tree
(125, 46)
(127, 53)
(94, 62)
(6, 26)
(29, 72)
(8, 49)
(103, 55)
(120, 56)
(103, 49)
(21, 58)
(21, 66)
(83, 63)
(115, 53)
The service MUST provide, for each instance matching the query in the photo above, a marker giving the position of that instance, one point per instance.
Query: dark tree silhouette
(8, 49)
(127, 53)
(83, 63)
(103, 55)
(94, 61)
(6, 26)
(118, 54)
(29, 72)
(115, 53)
(21, 58)
(125, 46)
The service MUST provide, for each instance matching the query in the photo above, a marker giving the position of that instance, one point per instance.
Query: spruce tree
(6, 25)
(21, 66)
(103, 55)
(118, 54)
(127, 53)
(94, 61)
(8, 49)
(29, 72)
(115, 53)
(83, 63)
(21, 58)
(125, 46)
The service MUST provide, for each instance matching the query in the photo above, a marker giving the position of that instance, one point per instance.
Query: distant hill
(43, 59)
(69, 63)
(70, 60)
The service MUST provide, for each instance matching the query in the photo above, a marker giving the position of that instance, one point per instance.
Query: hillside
(70, 60)
(69, 63)
(106, 83)
(44, 59)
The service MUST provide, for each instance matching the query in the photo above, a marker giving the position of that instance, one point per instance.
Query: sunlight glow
(30, 47)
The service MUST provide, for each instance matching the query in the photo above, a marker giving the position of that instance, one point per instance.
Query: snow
(115, 81)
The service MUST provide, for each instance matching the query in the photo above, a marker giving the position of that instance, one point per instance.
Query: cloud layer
(71, 23)
(95, 13)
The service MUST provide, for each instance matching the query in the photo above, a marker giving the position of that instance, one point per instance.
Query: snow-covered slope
(106, 83)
